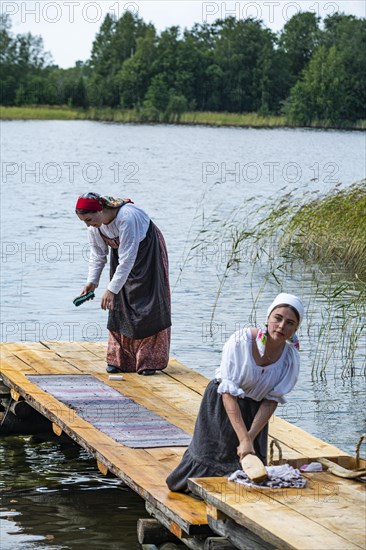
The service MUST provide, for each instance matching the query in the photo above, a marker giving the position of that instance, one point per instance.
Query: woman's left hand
(107, 300)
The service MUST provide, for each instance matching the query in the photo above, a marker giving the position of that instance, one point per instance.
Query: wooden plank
(46, 362)
(186, 376)
(300, 440)
(95, 349)
(138, 468)
(271, 520)
(341, 511)
(175, 394)
(76, 352)
(64, 348)
(162, 392)
(21, 346)
(10, 361)
(98, 348)
(170, 456)
(147, 478)
(99, 351)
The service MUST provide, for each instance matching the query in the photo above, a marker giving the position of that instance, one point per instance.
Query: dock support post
(17, 416)
(218, 543)
(151, 531)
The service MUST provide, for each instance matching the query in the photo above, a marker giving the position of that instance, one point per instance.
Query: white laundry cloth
(277, 477)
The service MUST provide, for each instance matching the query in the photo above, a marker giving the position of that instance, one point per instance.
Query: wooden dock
(328, 513)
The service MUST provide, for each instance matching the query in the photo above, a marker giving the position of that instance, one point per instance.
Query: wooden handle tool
(253, 467)
(339, 471)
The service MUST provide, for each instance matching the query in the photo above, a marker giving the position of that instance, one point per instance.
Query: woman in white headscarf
(258, 367)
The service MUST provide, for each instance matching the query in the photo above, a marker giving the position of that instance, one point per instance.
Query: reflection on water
(53, 496)
(183, 177)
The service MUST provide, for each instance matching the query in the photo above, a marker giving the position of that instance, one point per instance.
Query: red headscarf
(95, 202)
(84, 203)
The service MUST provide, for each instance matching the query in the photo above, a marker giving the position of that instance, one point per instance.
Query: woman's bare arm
(233, 411)
(264, 413)
(246, 437)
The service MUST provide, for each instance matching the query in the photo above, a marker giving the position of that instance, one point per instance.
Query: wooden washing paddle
(339, 471)
(253, 467)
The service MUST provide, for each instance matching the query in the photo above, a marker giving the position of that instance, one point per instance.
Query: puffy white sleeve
(290, 374)
(129, 241)
(231, 369)
(98, 255)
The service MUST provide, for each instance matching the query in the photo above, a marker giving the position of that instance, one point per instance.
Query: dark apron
(142, 307)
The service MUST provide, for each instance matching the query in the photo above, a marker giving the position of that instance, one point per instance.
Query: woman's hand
(107, 300)
(90, 287)
(245, 448)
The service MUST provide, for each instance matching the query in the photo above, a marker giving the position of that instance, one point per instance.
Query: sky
(68, 27)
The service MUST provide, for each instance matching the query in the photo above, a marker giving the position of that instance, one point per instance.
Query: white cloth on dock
(277, 477)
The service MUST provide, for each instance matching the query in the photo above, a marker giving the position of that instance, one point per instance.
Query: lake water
(185, 178)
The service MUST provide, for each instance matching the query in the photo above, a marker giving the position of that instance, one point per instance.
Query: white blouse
(130, 226)
(240, 375)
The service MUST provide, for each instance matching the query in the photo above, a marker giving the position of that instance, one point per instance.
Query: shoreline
(216, 119)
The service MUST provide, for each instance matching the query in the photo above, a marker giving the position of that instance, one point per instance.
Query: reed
(143, 116)
(233, 119)
(39, 113)
(139, 116)
(331, 230)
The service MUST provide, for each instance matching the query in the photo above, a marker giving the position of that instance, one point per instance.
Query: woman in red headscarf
(138, 295)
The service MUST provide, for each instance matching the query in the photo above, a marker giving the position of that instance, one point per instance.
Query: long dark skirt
(130, 355)
(213, 449)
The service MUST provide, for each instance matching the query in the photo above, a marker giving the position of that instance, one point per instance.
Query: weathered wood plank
(138, 468)
(269, 518)
(186, 376)
(175, 394)
(21, 346)
(46, 362)
(300, 440)
(10, 361)
(169, 456)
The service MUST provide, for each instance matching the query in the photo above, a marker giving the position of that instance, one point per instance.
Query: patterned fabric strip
(114, 414)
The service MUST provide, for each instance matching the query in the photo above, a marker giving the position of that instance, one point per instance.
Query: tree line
(312, 71)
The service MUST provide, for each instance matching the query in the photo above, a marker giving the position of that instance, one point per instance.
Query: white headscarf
(288, 300)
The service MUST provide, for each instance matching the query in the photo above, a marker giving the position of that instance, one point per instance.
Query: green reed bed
(148, 115)
(314, 248)
(332, 230)
(139, 116)
(39, 113)
(233, 119)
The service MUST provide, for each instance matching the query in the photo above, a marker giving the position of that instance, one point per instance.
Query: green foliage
(332, 86)
(298, 40)
(313, 75)
(22, 65)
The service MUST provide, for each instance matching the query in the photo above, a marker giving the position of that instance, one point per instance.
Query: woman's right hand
(245, 448)
(90, 287)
